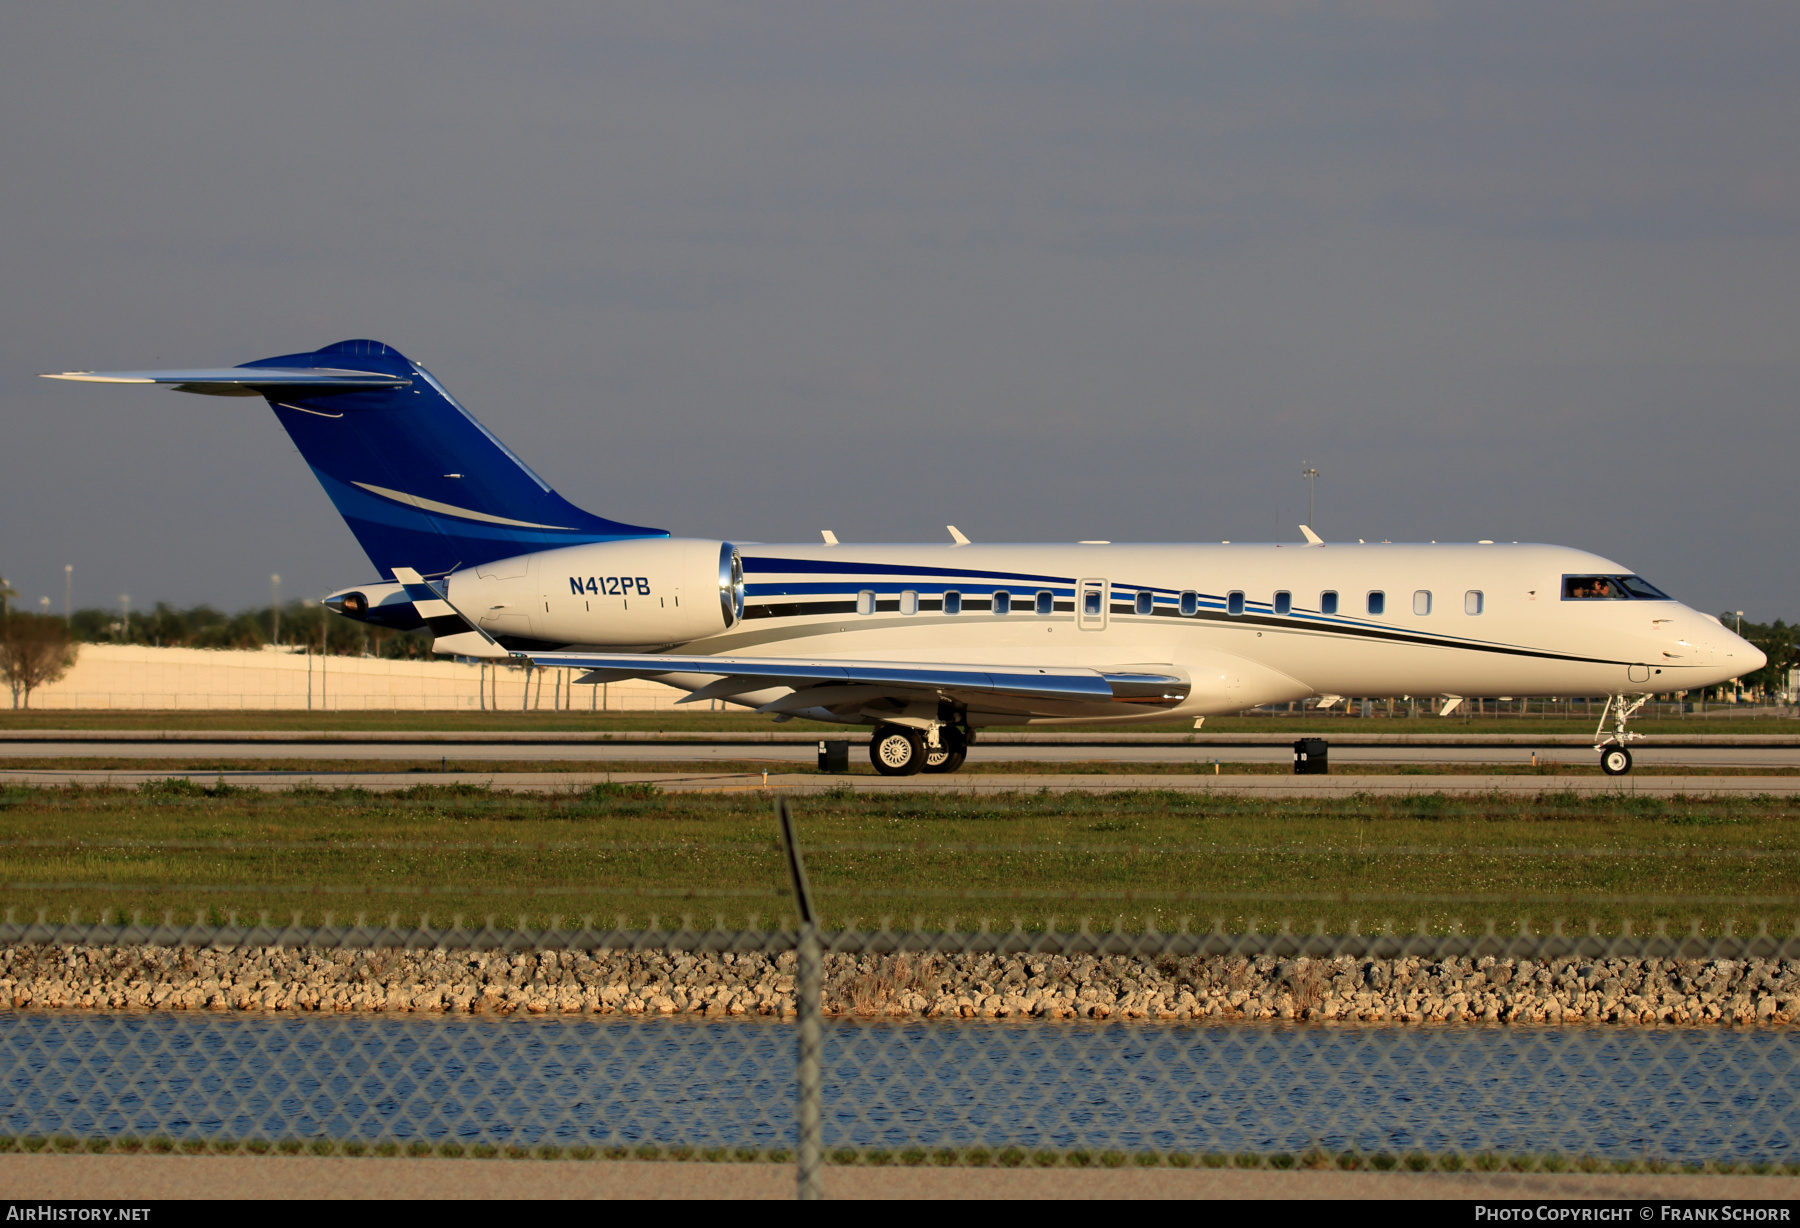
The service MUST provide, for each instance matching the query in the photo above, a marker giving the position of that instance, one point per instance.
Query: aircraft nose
(1739, 654)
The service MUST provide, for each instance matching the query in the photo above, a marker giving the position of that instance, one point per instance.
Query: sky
(1048, 272)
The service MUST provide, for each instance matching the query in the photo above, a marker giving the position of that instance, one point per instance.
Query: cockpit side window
(1642, 589)
(1591, 588)
(1610, 588)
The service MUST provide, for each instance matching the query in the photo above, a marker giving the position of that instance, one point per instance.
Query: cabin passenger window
(1377, 602)
(1190, 603)
(953, 603)
(1046, 602)
(1284, 602)
(1328, 602)
(1146, 602)
(1421, 601)
(1234, 603)
(1002, 602)
(1090, 603)
(865, 601)
(909, 602)
(1472, 601)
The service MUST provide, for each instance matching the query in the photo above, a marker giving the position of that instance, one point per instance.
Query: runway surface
(1648, 754)
(1266, 786)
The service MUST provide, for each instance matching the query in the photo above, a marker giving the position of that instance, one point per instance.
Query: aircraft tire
(949, 756)
(897, 751)
(938, 761)
(1615, 761)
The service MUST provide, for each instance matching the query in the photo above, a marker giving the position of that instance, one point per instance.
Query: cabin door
(1090, 605)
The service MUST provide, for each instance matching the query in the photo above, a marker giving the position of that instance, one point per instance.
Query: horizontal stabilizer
(245, 381)
(413, 473)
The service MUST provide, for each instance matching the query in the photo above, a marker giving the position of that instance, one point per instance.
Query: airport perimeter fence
(799, 1045)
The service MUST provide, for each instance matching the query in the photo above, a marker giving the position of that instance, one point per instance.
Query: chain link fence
(1048, 1046)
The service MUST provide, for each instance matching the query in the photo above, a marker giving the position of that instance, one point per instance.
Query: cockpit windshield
(1611, 588)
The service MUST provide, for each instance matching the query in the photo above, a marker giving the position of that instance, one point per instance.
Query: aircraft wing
(245, 381)
(818, 682)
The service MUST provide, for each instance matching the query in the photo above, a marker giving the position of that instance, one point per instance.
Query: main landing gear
(949, 753)
(899, 750)
(1615, 759)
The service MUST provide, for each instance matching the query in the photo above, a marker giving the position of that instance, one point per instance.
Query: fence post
(807, 975)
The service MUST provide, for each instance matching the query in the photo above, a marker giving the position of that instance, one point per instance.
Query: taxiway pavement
(1649, 754)
(969, 784)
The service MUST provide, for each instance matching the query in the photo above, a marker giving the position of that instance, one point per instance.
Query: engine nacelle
(641, 593)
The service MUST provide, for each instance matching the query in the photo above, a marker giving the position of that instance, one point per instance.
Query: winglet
(829, 536)
(956, 535)
(1312, 539)
(430, 604)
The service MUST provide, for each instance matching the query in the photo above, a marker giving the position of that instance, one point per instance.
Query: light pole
(1738, 683)
(45, 602)
(275, 609)
(1309, 473)
(125, 606)
(68, 592)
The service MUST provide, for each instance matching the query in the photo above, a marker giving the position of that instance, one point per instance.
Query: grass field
(745, 722)
(1147, 857)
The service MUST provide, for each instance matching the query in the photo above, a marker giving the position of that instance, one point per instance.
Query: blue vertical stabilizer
(420, 482)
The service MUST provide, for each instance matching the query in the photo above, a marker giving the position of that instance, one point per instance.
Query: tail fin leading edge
(419, 481)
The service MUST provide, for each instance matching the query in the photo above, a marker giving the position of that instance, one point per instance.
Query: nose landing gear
(1615, 759)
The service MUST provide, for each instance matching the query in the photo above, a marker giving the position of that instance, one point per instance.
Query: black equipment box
(834, 755)
(1311, 757)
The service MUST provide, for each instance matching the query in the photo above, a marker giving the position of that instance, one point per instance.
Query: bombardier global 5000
(928, 644)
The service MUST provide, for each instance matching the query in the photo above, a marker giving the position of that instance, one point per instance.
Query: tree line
(1779, 642)
(36, 649)
(301, 625)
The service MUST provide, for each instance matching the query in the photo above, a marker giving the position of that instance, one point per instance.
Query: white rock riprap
(1217, 988)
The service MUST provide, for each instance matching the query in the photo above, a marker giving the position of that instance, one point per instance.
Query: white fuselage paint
(802, 602)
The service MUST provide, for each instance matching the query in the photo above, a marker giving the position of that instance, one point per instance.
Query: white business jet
(931, 643)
